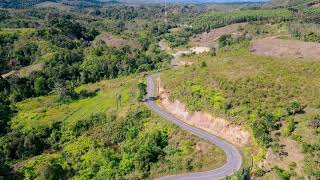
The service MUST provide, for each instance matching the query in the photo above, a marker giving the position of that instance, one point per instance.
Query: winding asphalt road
(234, 158)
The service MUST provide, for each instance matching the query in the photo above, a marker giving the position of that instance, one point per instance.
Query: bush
(51, 170)
(142, 91)
(225, 40)
(85, 124)
(203, 64)
(64, 94)
(259, 172)
(291, 125)
(271, 121)
(284, 175)
(244, 174)
(294, 108)
(261, 133)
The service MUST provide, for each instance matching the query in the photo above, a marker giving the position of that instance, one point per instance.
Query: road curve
(234, 158)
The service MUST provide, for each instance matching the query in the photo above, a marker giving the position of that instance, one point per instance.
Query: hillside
(254, 77)
(71, 92)
(102, 90)
(246, 89)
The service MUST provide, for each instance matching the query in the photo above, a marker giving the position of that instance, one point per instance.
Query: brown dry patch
(286, 48)
(317, 5)
(184, 63)
(215, 125)
(25, 71)
(290, 153)
(209, 38)
(203, 147)
(53, 5)
(114, 41)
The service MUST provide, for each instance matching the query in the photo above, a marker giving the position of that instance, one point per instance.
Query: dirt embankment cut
(209, 38)
(286, 48)
(217, 126)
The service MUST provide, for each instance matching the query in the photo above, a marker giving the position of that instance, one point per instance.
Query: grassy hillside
(275, 99)
(92, 138)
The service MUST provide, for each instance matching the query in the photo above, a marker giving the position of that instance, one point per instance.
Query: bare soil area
(317, 5)
(272, 46)
(209, 38)
(196, 50)
(289, 157)
(25, 71)
(114, 41)
(184, 63)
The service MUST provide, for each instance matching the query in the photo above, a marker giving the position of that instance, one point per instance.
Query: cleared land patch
(113, 41)
(209, 38)
(286, 48)
(25, 71)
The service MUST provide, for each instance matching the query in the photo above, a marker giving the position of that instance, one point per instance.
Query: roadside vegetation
(99, 136)
(266, 95)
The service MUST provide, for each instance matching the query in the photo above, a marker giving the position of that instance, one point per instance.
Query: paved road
(234, 158)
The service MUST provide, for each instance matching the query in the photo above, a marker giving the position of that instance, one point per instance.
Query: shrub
(203, 64)
(259, 172)
(261, 133)
(225, 40)
(244, 174)
(142, 91)
(294, 108)
(291, 125)
(284, 175)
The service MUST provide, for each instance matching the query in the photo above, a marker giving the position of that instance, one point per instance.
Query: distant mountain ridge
(27, 3)
(186, 1)
(17, 4)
